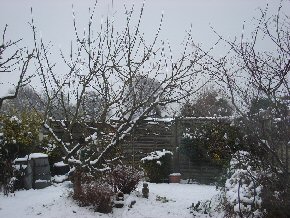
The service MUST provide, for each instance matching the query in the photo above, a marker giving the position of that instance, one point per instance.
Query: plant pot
(174, 178)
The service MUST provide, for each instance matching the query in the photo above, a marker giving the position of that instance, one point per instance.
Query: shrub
(212, 142)
(89, 192)
(125, 179)
(20, 134)
(243, 188)
(251, 190)
(7, 179)
(157, 165)
(275, 195)
(97, 190)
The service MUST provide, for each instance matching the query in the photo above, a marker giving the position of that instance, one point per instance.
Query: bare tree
(251, 72)
(266, 73)
(14, 59)
(92, 105)
(141, 89)
(110, 63)
(27, 99)
(209, 103)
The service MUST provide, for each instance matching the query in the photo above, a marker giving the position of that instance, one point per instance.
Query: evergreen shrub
(157, 165)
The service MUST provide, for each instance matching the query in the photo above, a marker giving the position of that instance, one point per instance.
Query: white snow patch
(60, 164)
(59, 178)
(41, 180)
(156, 155)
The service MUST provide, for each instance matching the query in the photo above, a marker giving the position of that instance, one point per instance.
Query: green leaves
(212, 142)
(20, 133)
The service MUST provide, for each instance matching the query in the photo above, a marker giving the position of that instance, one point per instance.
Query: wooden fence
(158, 134)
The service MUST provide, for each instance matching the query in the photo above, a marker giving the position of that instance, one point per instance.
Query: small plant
(195, 207)
(201, 207)
(163, 199)
(157, 165)
(7, 179)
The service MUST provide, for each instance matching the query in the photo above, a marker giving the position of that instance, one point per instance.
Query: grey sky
(54, 19)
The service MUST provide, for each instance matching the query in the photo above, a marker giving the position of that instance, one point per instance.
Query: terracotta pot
(174, 178)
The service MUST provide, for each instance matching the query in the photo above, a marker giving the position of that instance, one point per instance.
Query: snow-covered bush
(157, 165)
(253, 189)
(243, 187)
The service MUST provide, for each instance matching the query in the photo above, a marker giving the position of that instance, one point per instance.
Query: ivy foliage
(20, 134)
(212, 142)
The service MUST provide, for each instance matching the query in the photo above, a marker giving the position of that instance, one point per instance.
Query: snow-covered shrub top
(156, 155)
(175, 174)
(240, 159)
(157, 165)
(242, 189)
(60, 164)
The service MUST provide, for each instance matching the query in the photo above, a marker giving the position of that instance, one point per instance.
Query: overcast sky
(54, 19)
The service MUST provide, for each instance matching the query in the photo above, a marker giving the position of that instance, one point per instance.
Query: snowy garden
(165, 200)
(118, 124)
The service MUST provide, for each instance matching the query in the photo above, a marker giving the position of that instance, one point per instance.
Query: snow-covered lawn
(54, 201)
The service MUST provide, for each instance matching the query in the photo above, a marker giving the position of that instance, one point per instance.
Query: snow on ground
(54, 202)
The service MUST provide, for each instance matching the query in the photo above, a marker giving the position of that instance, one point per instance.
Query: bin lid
(31, 156)
(36, 155)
